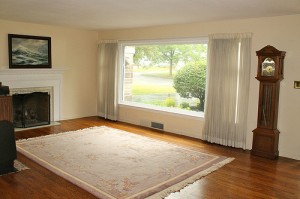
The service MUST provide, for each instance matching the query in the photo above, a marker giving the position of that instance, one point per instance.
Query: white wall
(280, 32)
(73, 49)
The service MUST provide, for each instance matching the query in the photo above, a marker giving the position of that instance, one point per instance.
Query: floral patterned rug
(111, 163)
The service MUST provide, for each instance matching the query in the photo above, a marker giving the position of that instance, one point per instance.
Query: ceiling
(120, 14)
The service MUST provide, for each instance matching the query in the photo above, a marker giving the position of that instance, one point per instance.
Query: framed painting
(29, 51)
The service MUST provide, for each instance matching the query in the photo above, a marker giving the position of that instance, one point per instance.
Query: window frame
(121, 69)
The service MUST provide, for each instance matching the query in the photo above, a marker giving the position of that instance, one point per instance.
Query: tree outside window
(165, 75)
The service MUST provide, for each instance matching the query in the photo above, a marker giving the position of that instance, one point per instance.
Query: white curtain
(229, 61)
(107, 102)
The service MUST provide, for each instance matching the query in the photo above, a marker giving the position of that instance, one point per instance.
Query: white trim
(134, 105)
(164, 110)
(36, 78)
(165, 41)
(32, 71)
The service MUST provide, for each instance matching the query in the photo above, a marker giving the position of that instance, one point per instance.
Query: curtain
(107, 102)
(229, 61)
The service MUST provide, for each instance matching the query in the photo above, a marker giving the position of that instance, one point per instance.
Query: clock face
(268, 67)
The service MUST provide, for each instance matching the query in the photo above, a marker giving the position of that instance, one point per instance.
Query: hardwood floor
(246, 177)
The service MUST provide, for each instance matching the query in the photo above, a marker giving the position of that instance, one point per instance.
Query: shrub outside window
(168, 76)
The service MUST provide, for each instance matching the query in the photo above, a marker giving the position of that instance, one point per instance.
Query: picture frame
(26, 51)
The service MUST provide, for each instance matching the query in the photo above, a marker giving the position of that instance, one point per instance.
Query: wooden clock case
(266, 135)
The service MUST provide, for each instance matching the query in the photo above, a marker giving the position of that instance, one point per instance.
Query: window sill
(164, 110)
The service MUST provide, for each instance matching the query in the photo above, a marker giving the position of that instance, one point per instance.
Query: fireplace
(31, 109)
(23, 81)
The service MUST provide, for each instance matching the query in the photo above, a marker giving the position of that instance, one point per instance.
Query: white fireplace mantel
(36, 78)
(31, 71)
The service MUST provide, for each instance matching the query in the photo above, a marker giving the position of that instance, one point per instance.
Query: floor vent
(157, 125)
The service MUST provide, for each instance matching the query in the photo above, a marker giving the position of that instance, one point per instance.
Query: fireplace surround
(22, 81)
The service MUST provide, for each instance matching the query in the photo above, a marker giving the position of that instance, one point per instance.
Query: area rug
(18, 167)
(111, 163)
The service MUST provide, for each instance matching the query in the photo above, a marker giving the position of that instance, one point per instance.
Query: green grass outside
(150, 89)
(150, 68)
(161, 72)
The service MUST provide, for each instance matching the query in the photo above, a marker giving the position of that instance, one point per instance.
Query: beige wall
(281, 32)
(73, 49)
(76, 50)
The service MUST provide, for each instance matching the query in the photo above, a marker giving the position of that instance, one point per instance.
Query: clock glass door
(268, 67)
(265, 117)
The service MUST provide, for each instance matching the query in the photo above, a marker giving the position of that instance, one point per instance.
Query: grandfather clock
(269, 74)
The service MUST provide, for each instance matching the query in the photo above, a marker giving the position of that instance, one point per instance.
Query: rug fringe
(20, 166)
(177, 187)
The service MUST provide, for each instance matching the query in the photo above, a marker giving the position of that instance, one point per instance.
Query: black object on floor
(8, 151)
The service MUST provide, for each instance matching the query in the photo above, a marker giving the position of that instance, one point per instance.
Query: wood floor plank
(246, 177)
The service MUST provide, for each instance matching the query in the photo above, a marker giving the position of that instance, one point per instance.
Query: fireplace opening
(31, 109)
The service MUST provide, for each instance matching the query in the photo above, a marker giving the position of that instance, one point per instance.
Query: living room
(74, 51)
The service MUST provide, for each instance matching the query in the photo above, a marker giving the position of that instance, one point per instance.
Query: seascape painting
(29, 51)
